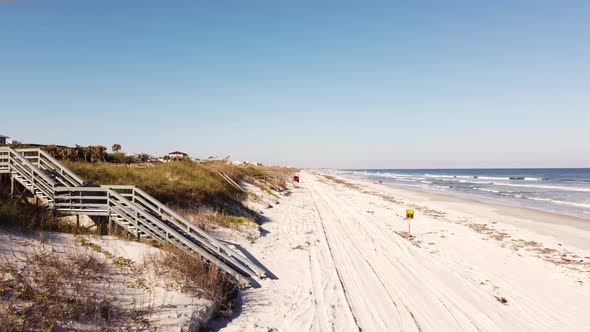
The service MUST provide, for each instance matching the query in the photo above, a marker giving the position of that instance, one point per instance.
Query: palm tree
(81, 152)
(116, 148)
(144, 157)
(101, 152)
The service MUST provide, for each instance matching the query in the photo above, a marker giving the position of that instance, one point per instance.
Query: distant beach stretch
(565, 191)
(340, 248)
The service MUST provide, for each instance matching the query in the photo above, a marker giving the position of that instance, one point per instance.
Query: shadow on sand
(222, 321)
(253, 259)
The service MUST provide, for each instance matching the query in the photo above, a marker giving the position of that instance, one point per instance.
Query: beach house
(177, 155)
(4, 139)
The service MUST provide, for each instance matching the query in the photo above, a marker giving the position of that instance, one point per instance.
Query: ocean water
(564, 191)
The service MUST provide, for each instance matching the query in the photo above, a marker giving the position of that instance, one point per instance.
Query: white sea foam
(487, 190)
(445, 176)
(474, 182)
(480, 182)
(438, 176)
(507, 178)
(582, 205)
(493, 178)
(540, 199)
(389, 175)
(542, 187)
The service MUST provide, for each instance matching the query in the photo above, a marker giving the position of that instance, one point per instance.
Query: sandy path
(342, 265)
(306, 294)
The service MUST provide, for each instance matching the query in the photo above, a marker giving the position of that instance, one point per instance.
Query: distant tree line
(92, 153)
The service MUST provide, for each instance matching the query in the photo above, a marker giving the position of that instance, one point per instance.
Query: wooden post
(409, 216)
(77, 221)
(11, 185)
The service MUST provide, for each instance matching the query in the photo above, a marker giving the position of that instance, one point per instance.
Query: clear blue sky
(348, 84)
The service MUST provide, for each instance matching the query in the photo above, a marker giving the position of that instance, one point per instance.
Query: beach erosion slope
(342, 260)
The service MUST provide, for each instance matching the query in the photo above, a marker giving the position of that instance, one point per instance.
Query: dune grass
(230, 221)
(25, 217)
(181, 184)
(49, 291)
(184, 184)
(195, 276)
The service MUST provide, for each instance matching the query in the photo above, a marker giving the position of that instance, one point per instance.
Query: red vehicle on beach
(296, 178)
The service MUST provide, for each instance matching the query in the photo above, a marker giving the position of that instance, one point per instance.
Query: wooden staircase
(131, 208)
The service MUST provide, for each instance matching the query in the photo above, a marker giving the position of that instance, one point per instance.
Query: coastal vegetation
(48, 289)
(18, 214)
(44, 290)
(190, 273)
(188, 186)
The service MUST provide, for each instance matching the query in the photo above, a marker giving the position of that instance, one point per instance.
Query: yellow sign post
(409, 215)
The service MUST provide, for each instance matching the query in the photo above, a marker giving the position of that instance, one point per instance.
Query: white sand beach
(343, 262)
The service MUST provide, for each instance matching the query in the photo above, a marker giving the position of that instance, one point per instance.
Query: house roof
(178, 152)
(2, 136)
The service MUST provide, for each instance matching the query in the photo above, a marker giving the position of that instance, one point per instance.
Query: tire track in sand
(364, 257)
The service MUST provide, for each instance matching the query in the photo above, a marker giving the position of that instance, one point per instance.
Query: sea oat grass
(47, 290)
(188, 186)
(192, 274)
